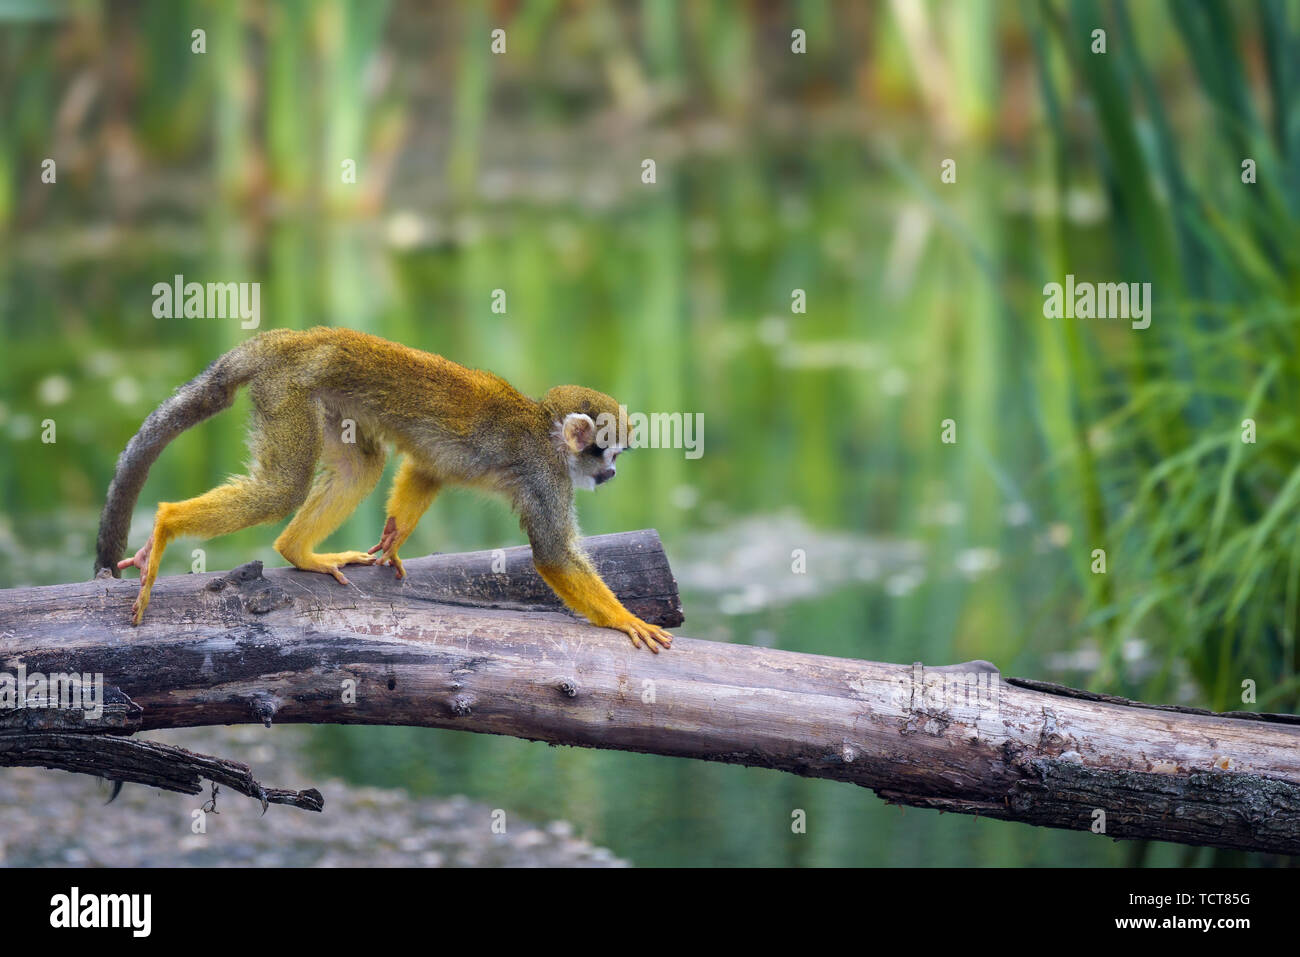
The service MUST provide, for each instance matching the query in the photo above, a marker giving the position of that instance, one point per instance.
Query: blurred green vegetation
(776, 171)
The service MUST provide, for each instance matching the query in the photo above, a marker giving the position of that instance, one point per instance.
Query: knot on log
(247, 572)
(267, 599)
(265, 707)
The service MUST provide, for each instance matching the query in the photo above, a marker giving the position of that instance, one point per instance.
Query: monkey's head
(590, 430)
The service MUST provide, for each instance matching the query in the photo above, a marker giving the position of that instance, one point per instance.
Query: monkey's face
(589, 454)
(591, 433)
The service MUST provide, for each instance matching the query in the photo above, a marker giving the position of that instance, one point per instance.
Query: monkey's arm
(562, 565)
(413, 492)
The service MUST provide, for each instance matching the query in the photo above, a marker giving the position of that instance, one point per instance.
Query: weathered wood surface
(286, 647)
(633, 564)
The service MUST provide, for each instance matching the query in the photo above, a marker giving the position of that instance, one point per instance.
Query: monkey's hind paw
(652, 635)
(389, 542)
(391, 559)
(138, 606)
(139, 560)
(142, 598)
(331, 563)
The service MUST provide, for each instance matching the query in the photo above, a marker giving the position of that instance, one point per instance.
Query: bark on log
(224, 649)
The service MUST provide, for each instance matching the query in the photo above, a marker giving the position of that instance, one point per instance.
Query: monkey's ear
(579, 431)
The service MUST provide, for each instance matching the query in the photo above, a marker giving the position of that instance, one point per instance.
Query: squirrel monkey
(454, 426)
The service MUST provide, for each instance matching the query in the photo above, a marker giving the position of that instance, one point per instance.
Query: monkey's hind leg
(285, 443)
(349, 471)
(228, 508)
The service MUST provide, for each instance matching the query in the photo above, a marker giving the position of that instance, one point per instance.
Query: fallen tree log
(504, 659)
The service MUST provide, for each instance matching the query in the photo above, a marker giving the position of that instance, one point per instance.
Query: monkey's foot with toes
(638, 630)
(330, 563)
(140, 560)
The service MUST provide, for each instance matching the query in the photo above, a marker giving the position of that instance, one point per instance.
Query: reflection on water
(770, 561)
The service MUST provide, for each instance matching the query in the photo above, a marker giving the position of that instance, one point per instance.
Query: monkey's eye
(594, 449)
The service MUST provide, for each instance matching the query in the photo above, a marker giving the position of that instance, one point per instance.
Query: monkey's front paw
(639, 631)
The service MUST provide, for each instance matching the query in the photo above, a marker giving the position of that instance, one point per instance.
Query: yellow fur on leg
(225, 509)
(413, 492)
(152, 555)
(345, 481)
(581, 589)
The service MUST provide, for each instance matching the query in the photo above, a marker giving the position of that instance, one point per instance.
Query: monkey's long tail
(202, 397)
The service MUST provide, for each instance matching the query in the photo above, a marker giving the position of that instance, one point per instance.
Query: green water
(821, 428)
